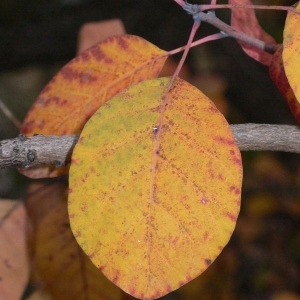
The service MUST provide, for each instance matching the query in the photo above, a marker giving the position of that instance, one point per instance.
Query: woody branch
(24, 152)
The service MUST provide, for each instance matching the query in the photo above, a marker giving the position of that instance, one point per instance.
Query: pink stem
(180, 2)
(204, 7)
(164, 105)
(209, 38)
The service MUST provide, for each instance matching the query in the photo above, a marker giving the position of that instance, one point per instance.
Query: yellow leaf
(64, 269)
(291, 55)
(151, 230)
(84, 84)
(278, 75)
(14, 267)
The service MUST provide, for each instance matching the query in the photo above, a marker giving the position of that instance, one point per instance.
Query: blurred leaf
(277, 74)
(65, 271)
(84, 84)
(14, 268)
(244, 19)
(290, 55)
(94, 32)
(40, 295)
(152, 227)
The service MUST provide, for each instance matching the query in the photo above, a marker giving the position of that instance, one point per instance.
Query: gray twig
(23, 152)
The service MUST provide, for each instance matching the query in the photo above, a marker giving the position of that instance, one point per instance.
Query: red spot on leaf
(235, 189)
(99, 55)
(206, 235)
(83, 207)
(7, 264)
(85, 56)
(181, 283)
(132, 290)
(77, 233)
(116, 278)
(224, 141)
(68, 73)
(123, 44)
(231, 217)
(28, 127)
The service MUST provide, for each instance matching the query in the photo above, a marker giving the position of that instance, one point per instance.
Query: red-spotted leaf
(244, 19)
(290, 55)
(84, 84)
(277, 73)
(152, 219)
(59, 265)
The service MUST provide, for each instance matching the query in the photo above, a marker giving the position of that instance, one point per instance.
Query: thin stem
(163, 108)
(232, 32)
(213, 37)
(9, 114)
(204, 7)
(180, 2)
(186, 50)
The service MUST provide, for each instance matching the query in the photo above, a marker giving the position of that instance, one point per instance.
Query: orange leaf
(290, 54)
(14, 267)
(277, 74)
(59, 262)
(84, 84)
(152, 230)
(244, 19)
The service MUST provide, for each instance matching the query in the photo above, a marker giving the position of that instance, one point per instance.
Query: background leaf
(277, 73)
(40, 295)
(14, 268)
(244, 19)
(151, 232)
(85, 83)
(60, 265)
(290, 55)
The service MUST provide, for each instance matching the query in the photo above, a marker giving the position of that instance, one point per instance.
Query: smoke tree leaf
(244, 19)
(151, 228)
(277, 74)
(290, 54)
(84, 84)
(59, 264)
(14, 265)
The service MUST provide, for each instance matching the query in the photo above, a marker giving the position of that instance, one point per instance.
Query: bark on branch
(22, 152)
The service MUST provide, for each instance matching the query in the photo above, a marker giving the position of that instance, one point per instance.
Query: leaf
(244, 20)
(290, 54)
(152, 232)
(277, 74)
(14, 268)
(84, 84)
(40, 295)
(59, 262)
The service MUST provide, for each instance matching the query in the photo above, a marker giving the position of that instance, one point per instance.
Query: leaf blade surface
(244, 20)
(84, 84)
(151, 231)
(290, 54)
(14, 265)
(60, 266)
